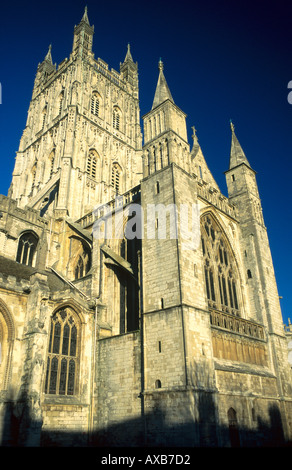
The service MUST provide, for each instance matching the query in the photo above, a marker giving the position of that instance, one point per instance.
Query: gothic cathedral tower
(163, 329)
(82, 141)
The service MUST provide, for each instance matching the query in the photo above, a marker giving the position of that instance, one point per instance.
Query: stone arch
(7, 336)
(221, 268)
(233, 428)
(27, 248)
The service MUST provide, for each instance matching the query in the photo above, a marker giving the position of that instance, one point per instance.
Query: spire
(162, 92)
(237, 155)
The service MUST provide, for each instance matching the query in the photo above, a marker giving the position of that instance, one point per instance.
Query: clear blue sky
(227, 59)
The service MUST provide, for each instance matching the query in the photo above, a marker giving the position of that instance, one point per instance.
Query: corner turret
(165, 132)
(83, 36)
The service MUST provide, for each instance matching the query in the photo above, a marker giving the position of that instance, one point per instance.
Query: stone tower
(138, 303)
(82, 141)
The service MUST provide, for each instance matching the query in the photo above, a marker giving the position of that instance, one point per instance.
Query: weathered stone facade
(173, 336)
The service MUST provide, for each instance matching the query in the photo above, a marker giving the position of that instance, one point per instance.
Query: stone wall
(117, 411)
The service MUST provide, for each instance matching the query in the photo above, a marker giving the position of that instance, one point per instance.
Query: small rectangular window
(157, 187)
(233, 177)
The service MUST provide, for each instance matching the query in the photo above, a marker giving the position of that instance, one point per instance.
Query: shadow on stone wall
(22, 428)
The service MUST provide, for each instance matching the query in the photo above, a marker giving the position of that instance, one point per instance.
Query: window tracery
(63, 354)
(220, 270)
(26, 251)
(116, 172)
(116, 118)
(83, 265)
(91, 164)
(95, 104)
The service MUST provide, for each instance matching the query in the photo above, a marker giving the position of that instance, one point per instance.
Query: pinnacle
(128, 55)
(48, 57)
(85, 16)
(162, 92)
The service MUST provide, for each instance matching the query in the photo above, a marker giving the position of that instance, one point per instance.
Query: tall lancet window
(116, 118)
(92, 164)
(61, 99)
(44, 114)
(220, 270)
(116, 176)
(95, 104)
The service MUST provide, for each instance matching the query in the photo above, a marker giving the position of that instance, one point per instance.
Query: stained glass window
(221, 275)
(62, 354)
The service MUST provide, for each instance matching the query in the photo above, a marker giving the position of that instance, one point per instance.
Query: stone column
(28, 409)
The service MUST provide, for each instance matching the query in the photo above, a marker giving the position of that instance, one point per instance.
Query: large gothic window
(220, 271)
(63, 354)
(26, 251)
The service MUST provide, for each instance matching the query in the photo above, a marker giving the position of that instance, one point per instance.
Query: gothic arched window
(33, 173)
(91, 164)
(94, 104)
(116, 173)
(63, 354)
(61, 99)
(6, 345)
(83, 264)
(116, 118)
(26, 251)
(220, 271)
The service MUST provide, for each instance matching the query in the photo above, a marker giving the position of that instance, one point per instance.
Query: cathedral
(138, 304)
